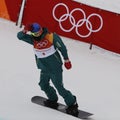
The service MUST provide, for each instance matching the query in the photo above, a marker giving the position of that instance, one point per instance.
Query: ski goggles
(36, 34)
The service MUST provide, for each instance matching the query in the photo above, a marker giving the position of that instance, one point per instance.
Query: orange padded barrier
(3, 10)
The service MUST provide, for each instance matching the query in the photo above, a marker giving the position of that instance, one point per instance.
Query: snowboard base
(62, 108)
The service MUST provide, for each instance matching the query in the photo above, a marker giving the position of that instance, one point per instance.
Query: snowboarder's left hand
(27, 28)
(67, 64)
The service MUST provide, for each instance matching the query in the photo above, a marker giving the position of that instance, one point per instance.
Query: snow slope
(109, 5)
(94, 79)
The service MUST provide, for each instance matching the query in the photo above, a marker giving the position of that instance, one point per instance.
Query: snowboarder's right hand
(27, 28)
(67, 64)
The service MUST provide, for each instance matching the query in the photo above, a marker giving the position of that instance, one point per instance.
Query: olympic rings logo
(85, 20)
(42, 44)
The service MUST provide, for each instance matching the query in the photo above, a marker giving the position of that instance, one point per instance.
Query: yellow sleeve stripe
(49, 36)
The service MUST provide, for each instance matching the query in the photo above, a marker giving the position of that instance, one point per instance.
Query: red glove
(27, 28)
(67, 64)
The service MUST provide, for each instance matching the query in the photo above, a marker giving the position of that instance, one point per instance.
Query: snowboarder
(46, 46)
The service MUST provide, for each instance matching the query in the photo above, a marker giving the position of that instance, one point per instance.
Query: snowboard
(61, 107)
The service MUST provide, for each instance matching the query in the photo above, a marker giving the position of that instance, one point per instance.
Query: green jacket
(52, 63)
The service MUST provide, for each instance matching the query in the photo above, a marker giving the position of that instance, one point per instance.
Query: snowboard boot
(50, 103)
(73, 109)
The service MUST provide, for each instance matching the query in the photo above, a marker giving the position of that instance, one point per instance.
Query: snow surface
(109, 5)
(94, 79)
